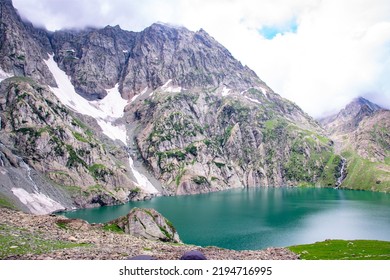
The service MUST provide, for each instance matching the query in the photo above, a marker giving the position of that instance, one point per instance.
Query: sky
(319, 54)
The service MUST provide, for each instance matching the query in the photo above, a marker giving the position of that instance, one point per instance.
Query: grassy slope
(17, 241)
(6, 203)
(366, 175)
(344, 250)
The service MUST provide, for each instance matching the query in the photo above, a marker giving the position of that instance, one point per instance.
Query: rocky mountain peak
(22, 46)
(349, 118)
(190, 59)
(360, 106)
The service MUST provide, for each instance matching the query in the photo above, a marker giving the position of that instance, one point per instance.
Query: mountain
(361, 132)
(102, 116)
(349, 118)
(22, 47)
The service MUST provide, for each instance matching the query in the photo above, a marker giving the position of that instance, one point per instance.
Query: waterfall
(26, 167)
(343, 173)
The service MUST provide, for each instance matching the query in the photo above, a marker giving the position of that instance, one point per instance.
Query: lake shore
(31, 237)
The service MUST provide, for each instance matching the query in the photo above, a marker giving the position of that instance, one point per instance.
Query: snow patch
(172, 89)
(253, 100)
(242, 92)
(225, 91)
(105, 111)
(4, 75)
(141, 179)
(37, 203)
(115, 132)
(166, 84)
(139, 94)
(113, 104)
(264, 91)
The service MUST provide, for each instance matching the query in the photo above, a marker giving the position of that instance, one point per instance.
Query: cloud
(321, 54)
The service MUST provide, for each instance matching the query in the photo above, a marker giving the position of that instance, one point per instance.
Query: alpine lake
(257, 218)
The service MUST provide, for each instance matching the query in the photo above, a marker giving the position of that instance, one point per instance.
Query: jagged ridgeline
(163, 111)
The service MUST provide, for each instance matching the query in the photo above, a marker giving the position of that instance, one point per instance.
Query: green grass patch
(331, 171)
(6, 203)
(18, 242)
(62, 225)
(74, 160)
(344, 250)
(113, 228)
(365, 175)
(79, 137)
(99, 171)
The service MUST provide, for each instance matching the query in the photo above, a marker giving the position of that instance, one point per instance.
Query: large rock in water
(149, 224)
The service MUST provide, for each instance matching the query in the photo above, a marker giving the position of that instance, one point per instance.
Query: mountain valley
(100, 117)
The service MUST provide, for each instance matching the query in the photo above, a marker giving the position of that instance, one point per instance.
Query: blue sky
(269, 32)
(318, 53)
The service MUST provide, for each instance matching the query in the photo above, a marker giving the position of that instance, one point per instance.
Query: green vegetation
(219, 164)
(180, 174)
(166, 233)
(344, 250)
(113, 228)
(200, 180)
(17, 241)
(99, 171)
(331, 171)
(79, 137)
(22, 79)
(366, 175)
(6, 203)
(74, 160)
(191, 149)
(73, 190)
(62, 224)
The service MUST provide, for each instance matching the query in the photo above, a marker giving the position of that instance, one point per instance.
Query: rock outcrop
(149, 224)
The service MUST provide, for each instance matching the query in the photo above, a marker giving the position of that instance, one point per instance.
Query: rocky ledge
(98, 242)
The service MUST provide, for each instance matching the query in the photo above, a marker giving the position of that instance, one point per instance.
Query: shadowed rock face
(149, 224)
(23, 47)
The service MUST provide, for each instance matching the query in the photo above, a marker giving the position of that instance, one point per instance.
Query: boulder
(149, 224)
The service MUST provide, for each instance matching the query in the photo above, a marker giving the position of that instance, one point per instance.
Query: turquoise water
(265, 217)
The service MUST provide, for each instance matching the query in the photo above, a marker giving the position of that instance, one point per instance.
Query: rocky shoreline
(94, 242)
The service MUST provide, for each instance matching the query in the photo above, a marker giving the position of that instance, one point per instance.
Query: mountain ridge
(194, 119)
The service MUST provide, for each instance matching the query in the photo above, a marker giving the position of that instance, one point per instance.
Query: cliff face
(361, 132)
(163, 111)
(203, 141)
(52, 141)
(22, 47)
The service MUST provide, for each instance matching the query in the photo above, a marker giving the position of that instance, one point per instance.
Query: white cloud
(339, 51)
